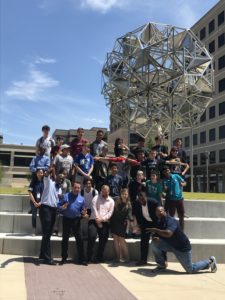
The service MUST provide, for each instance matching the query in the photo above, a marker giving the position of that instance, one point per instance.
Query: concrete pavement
(138, 282)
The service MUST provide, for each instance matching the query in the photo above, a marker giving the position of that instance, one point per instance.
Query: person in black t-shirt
(168, 237)
(162, 151)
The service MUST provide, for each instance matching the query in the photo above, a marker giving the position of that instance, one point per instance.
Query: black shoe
(62, 262)
(141, 263)
(49, 262)
(83, 263)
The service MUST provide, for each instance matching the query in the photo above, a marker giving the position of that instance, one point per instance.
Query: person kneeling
(168, 237)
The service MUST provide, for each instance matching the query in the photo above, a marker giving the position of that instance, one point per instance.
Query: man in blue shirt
(168, 237)
(72, 209)
(173, 186)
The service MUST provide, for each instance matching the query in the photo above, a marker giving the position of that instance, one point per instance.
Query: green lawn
(13, 190)
(204, 196)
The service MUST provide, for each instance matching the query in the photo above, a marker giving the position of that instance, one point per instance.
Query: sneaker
(159, 268)
(213, 264)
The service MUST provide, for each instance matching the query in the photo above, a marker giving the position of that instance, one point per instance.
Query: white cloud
(41, 60)
(94, 120)
(102, 5)
(36, 83)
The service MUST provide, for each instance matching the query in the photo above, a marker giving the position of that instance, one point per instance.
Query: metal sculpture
(157, 78)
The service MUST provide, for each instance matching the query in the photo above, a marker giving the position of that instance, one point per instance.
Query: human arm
(186, 168)
(166, 233)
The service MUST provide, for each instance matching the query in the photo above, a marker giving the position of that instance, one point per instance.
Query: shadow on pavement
(30, 260)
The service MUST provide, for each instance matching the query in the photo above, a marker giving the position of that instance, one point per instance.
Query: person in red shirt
(77, 143)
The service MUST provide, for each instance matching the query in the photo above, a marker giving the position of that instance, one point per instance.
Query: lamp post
(207, 153)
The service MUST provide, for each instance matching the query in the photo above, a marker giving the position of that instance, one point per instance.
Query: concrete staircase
(205, 227)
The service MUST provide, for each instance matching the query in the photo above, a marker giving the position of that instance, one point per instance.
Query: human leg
(47, 217)
(103, 234)
(180, 212)
(79, 241)
(67, 224)
(124, 249)
(92, 235)
(116, 246)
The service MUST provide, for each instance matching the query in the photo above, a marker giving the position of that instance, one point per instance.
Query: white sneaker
(213, 264)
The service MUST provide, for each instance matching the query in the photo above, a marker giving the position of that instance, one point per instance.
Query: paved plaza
(23, 278)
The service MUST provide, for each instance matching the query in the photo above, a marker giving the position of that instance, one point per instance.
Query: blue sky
(52, 52)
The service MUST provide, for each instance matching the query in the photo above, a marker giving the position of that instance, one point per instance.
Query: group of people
(97, 194)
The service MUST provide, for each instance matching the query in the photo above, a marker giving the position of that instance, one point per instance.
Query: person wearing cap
(63, 161)
(45, 141)
(77, 143)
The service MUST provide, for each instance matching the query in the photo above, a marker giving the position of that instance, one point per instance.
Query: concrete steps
(205, 227)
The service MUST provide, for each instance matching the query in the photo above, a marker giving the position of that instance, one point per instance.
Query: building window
(212, 157)
(202, 33)
(212, 112)
(195, 139)
(195, 159)
(221, 40)
(202, 137)
(222, 155)
(202, 158)
(211, 26)
(212, 134)
(212, 47)
(221, 85)
(221, 18)
(5, 158)
(222, 108)
(22, 161)
(186, 141)
(221, 62)
(203, 117)
(222, 132)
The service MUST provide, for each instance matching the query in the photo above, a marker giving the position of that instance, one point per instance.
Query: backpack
(93, 193)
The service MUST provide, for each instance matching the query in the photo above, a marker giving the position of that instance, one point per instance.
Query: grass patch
(13, 190)
(204, 196)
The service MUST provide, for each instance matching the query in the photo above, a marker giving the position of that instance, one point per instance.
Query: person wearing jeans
(168, 237)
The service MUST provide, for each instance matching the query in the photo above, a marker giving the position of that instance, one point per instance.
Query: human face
(99, 136)
(105, 191)
(174, 153)
(160, 212)
(40, 174)
(140, 156)
(60, 178)
(76, 188)
(140, 177)
(45, 132)
(124, 196)
(152, 154)
(178, 143)
(114, 170)
(167, 173)
(80, 132)
(142, 198)
(154, 178)
(88, 185)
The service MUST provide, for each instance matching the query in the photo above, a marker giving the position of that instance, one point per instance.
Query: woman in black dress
(122, 212)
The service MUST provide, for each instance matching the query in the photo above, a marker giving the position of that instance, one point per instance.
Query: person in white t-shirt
(45, 141)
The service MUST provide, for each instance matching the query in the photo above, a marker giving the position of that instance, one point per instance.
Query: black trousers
(103, 234)
(74, 226)
(145, 237)
(47, 217)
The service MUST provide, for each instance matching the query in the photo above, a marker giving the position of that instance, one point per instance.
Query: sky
(52, 53)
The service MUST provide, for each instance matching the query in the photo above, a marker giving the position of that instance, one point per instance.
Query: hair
(155, 173)
(119, 200)
(178, 139)
(141, 139)
(86, 180)
(45, 127)
(117, 150)
(158, 137)
(76, 182)
(100, 131)
(113, 165)
(139, 172)
(59, 138)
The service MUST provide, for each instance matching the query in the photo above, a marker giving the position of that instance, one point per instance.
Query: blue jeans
(185, 258)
